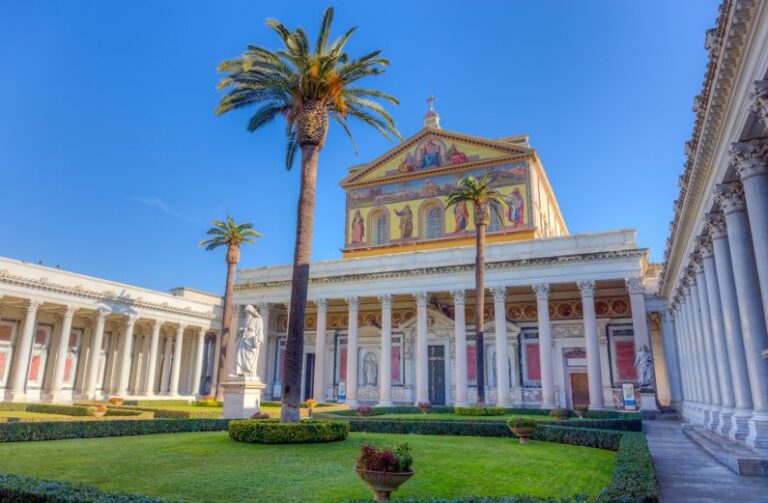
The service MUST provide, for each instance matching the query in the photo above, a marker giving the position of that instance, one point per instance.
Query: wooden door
(309, 376)
(579, 389)
(437, 375)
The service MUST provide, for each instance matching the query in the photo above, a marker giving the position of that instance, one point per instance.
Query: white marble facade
(65, 336)
(715, 279)
(403, 316)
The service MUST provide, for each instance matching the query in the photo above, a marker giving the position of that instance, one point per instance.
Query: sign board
(277, 390)
(342, 390)
(628, 390)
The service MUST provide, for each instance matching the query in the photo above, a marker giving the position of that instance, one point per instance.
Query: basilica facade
(392, 321)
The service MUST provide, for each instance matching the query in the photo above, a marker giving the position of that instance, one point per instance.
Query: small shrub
(424, 407)
(270, 431)
(364, 410)
(396, 459)
(208, 401)
(479, 411)
(521, 422)
(559, 413)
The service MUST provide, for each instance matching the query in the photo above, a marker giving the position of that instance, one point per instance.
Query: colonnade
(635, 290)
(130, 369)
(720, 309)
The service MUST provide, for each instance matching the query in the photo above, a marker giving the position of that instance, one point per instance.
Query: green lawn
(211, 467)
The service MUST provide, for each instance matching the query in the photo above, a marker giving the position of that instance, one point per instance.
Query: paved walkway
(687, 473)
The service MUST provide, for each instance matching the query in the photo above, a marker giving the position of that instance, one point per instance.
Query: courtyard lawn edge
(269, 431)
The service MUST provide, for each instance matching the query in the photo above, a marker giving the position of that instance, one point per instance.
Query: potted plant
(116, 400)
(424, 407)
(97, 410)
(384, 469)
(580, 411)
(311, 404)
(559, 414)
(522, 428)
(364, 410)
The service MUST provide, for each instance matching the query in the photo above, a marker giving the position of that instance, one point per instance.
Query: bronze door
(579, 389)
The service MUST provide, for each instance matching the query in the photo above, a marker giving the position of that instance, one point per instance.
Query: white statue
(249, 340)
(644, 365)
(370, 370)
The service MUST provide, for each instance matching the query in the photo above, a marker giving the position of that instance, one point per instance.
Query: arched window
(379, 228)
(433, 221)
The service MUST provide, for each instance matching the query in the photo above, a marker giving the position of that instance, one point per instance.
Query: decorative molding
(506, 265)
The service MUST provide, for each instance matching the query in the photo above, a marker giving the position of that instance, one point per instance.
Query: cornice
(726, 44)
(43, 285)
(451, 269)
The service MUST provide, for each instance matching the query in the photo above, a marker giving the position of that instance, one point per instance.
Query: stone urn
(97, 413)
(523, 433)
(117, 400)
(383, 484)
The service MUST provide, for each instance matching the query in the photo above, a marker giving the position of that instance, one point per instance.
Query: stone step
(741, 459)
(668, 416)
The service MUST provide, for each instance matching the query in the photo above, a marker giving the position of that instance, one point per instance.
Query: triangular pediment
(432, 151)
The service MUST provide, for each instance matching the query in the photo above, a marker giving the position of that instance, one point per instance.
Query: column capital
(704, 245)
(322, 305)
(263, 308)
(102, 313)
(202, 331)
(715, 222)
(353, 303)
(180, 329)
(130, 319)
(33, 305)
(499, 293)
(386, 301)
(730, 197)
(635, 285)
(696, 262)
(69, 312)
(542, 291)
(459, 297)
(421, 298)
(156, 325)
(749, 158)
(587, 288)
(758, 98)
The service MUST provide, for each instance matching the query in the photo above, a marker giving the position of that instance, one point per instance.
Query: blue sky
(112, 162)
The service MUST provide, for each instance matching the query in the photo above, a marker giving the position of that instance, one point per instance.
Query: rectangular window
(533, 363)
(395, 364)
(625, 360)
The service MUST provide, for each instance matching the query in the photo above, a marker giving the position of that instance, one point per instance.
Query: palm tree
(484, 199)
(231, 235)
(306, 87)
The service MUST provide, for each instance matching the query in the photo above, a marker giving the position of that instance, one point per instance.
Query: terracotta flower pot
(522, 433)
(98, 413)
(383, 484)
(116, 401)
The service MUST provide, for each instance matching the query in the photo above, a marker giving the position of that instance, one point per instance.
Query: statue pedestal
(648, 408)
(242, 396)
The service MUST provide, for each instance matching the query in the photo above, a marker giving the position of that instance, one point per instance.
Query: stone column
(318, 392)
(197, 375)
(460, 336)
(546, 361)
(422, 361)
(720, 348)
(700, 347)
(732, 326)
(261, 365)
(125, 356)
(352, 351)
(707, 342)
(165, 375)
(699, 377)
(730, 196)
(680, 331)
(385, 369)
(92, 371)
(690, 371)
(668, 334)
(154, 343)
(21, 352)
(636, 290)
(750, 159)
(502, 351)
(62, 348)
(176, 366)
(594, 372)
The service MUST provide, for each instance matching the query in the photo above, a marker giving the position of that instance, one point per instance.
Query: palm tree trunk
(480, 311)
(302, 255)
(226, 329)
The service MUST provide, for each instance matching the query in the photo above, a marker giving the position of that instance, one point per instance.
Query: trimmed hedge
(618, 424)
(64, 410)
(585, 437)
(634, 477)
(58, 430)
(479, 411)
(270, 431)
(11, 406)
(16, 488)
(456, 427)
(153, 403)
